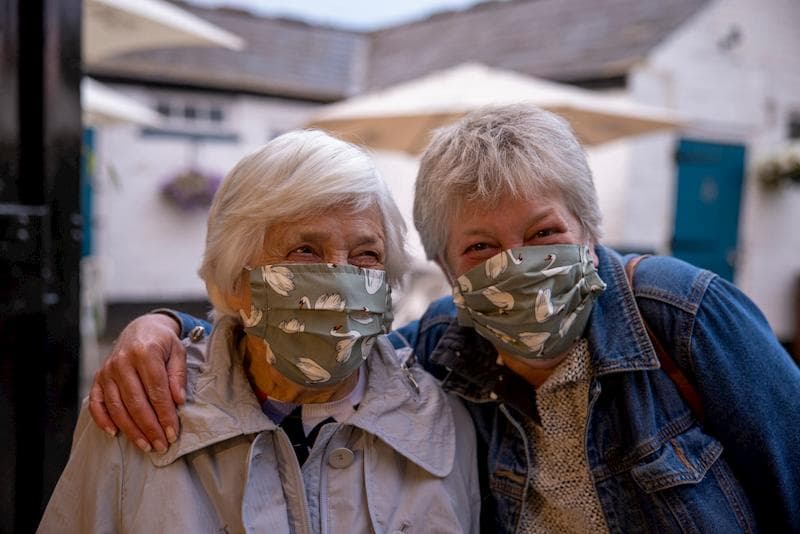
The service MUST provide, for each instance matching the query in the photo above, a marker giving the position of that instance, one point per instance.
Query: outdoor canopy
(117, 26)
(102, 105)
(401, 117)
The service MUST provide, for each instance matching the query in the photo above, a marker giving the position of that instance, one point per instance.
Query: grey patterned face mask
(533, 302)
(319, 321)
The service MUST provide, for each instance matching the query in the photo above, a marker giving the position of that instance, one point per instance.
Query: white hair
(295, 175)
(517, 150)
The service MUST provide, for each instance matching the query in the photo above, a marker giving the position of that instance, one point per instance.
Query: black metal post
(40, 137)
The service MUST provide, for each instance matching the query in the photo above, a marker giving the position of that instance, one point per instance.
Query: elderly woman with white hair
(300, 416)
(609, 393)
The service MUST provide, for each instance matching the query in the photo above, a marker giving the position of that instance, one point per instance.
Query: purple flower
(191, 189)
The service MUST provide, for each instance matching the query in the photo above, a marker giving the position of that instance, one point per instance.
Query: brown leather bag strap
(668, 365)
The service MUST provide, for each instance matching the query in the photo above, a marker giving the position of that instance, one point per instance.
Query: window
(794, 125)
(191, 115)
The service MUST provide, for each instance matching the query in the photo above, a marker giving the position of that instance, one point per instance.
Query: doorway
(708, 197)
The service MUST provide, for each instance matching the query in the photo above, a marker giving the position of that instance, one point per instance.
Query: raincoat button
(340, 458)
(197, 334)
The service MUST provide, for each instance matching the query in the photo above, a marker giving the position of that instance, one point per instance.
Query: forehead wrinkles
(355, 230)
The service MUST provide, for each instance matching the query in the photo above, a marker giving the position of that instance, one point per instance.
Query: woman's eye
(366, 257)
(543, 234)
(477, 247)
(304, 253)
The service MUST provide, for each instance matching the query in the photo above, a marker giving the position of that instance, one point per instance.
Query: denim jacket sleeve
(187, 322)
(423, 334)
(748, 384)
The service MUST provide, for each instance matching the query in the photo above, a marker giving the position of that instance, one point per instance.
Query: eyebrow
(314, 236)
(359, 240)
(536, 219)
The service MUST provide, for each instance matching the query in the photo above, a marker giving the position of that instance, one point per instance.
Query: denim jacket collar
(474, 372)
(617, 339)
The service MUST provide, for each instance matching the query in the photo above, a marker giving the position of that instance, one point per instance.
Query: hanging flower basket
(191, 189)
(781, 169)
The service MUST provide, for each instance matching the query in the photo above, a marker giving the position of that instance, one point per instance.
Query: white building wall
(149, 249)
(733, 89)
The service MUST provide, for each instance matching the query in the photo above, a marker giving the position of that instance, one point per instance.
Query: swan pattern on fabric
(362, 316)
(549, 270)
(495, 266)
(544, 305)
(373, 280)
(531, 301)
(326, 301)
(312, 370)
(534, 340)
(318, 318)
(502, 299)
(292, 326)
(253, 319)
(279, 278)
(344, 347)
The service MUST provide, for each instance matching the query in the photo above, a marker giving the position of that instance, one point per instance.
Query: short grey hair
(297, 174)
(495, 152)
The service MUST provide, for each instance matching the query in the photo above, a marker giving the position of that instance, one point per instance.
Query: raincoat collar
(408, 410)
(221, 404)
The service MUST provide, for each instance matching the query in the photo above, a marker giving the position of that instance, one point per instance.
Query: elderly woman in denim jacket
(544, 340)
(300, 416)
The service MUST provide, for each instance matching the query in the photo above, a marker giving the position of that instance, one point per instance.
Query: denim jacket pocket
(691, 487)
(683, 459)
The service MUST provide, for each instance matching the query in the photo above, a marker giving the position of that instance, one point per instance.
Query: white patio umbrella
(116, 26)
(402, 117)
(102, 106)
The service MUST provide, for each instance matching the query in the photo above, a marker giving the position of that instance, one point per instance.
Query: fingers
(132, 409)
(118, 411)
(132, 391)
(160, 391)
(97, 409)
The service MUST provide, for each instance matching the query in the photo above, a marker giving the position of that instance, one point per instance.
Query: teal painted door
(709, 192)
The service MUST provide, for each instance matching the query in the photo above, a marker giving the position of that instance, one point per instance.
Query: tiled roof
(281, 57)
(564, 40)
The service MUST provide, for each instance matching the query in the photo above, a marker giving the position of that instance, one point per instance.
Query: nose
(339, 257)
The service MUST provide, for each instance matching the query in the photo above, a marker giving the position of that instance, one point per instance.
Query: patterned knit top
(562, 497)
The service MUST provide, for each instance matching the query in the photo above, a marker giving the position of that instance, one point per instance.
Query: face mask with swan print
(531, 301)
(319, 321)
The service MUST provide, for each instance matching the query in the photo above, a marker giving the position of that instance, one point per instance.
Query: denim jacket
(654, 466)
